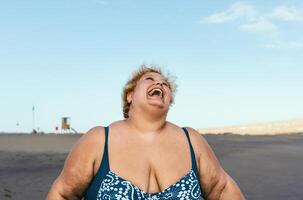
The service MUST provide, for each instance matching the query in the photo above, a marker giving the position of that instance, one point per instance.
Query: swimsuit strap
(94, 185)
(193, 160)
(105, 163)
(106, 149)
(193, 157)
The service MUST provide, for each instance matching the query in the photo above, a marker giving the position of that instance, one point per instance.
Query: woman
(143, 156)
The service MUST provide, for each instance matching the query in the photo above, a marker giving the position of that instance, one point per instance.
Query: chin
(158, 105)
(160, 109)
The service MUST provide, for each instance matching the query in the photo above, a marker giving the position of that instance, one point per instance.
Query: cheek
(139, 93)
(169, 94)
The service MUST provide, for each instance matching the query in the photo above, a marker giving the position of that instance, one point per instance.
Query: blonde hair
(135, 77)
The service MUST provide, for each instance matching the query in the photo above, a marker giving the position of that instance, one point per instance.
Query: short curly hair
(136, 75)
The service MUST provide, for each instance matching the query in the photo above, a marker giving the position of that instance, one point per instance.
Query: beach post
(65, 124)
(33, 119)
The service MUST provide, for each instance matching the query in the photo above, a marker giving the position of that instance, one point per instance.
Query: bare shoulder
(92, 138)
(216, 183)
(210, 170)
(89, 144)
(78, 168)
(88, 148)
(198, 141)
(202, 147)
(196, 138)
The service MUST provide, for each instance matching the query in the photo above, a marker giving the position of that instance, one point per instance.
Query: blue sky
(235, 61)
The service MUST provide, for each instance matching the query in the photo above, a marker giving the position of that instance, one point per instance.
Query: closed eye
(149, 78)
(166, 84)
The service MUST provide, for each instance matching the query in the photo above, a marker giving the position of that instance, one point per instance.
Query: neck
(145, 123)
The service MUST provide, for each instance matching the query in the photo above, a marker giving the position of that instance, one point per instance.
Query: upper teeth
(156, 89)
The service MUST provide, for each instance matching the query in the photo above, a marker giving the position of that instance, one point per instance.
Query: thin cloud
(260, 26)
(286, 13)
(250, 19)
(285, 45)
(254, 20)
(235, 11)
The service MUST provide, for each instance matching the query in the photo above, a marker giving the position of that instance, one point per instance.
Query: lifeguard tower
(65, 126)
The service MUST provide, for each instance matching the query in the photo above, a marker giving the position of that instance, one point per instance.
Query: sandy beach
(291, 126)
(265, 167)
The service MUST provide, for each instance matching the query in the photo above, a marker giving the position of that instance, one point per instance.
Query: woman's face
(152, 90)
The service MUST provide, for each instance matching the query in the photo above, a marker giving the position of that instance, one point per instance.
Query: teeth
(156, 90)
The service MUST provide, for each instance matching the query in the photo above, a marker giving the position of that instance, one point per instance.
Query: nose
(159, 82)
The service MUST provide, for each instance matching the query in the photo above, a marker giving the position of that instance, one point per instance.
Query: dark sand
(265, 167)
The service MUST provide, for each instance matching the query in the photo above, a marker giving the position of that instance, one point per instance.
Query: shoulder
(88, 146)
(91, 138)
(205, 152)
(207, 160)
(198, 141)
(78, 168)
(94, 134)
(212, 176)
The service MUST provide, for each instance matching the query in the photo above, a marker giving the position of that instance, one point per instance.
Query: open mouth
(156, 92)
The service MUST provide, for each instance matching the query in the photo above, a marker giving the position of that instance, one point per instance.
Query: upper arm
(78, 168)
(214, 180)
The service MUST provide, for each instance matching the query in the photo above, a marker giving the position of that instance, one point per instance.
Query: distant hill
(269, 128)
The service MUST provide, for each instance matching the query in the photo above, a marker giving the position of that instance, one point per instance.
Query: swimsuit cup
(107, 185)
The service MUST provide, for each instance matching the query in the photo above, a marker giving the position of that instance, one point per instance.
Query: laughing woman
(143, 156)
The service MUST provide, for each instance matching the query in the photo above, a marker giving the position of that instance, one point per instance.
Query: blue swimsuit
(108, 185)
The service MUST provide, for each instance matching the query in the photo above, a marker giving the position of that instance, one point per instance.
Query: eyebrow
(152, 75)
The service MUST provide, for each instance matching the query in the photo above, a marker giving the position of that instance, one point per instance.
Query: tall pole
(33, 115)
(17, 124)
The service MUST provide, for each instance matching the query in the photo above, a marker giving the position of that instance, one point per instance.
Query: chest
(151, 165)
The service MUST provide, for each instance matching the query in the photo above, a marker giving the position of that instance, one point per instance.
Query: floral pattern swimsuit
(107, 185)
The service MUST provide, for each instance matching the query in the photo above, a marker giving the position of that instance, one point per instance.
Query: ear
(129, 97)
